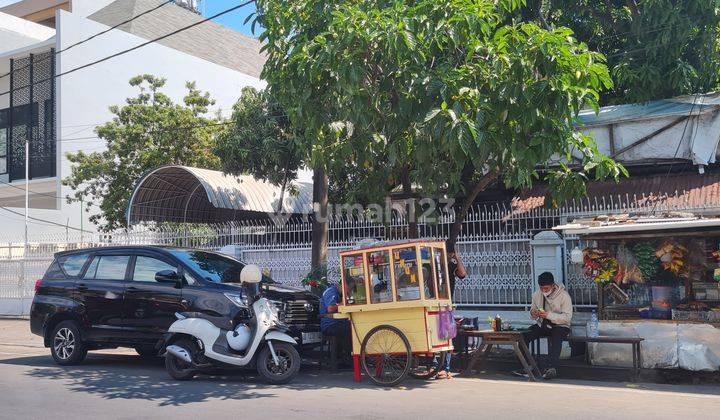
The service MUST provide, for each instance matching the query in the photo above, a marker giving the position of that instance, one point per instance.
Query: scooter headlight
(237, 299)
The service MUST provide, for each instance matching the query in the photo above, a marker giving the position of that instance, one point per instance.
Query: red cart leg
(356, 367)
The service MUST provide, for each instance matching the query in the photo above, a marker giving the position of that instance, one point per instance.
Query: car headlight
(237, 299)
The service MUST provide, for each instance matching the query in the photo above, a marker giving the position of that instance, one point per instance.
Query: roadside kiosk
(398, 300)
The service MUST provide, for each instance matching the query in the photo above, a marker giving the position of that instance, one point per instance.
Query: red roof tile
(688, 190)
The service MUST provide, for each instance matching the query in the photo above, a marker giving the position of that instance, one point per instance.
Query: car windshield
(213, 267)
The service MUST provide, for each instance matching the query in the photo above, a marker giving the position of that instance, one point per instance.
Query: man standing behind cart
(339, 328)
(455, 266)
(456, 269)
(552, 310)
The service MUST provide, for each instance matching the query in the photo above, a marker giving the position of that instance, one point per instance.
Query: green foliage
(261, 142)
(655, 48)
(647, 261)
(447, 90)
(316, 279)
(149, 131)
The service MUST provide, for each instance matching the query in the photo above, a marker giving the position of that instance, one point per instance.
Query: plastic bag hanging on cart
(447, 330)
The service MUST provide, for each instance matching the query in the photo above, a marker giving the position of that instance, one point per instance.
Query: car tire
(66, 345)
(146, 352)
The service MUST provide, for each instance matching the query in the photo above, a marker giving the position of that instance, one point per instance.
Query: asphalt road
(117, 384)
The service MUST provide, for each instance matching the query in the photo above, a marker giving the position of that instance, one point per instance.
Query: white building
(61, 113)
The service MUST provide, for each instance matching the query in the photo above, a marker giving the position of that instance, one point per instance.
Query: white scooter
(195, 343)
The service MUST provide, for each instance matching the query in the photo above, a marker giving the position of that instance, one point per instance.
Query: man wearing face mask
(552, 310)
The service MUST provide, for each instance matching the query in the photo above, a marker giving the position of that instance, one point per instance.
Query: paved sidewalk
(118, 384)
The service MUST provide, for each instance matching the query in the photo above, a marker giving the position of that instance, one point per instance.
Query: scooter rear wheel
(177, 368)
(288, 367)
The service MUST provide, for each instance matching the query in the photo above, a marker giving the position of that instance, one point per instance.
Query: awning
(194, 195)
(639, 225)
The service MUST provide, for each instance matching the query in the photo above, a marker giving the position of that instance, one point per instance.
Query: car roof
(162, 248)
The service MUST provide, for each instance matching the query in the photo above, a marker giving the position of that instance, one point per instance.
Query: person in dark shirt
(329, 301)
(456, 269)
(340, 328)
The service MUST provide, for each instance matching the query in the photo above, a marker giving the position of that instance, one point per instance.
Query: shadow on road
(129, 377)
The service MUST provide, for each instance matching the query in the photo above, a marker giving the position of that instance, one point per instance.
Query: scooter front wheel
(177, 368)
(285, 369)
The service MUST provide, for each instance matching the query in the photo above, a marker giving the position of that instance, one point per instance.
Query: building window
(31, 117)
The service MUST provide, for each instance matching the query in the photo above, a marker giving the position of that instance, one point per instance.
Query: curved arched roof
(194, 195)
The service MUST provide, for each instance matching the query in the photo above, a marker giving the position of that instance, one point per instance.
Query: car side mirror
(168, 276)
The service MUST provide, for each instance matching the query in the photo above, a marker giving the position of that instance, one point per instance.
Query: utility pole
(27, 206)
(82, 228)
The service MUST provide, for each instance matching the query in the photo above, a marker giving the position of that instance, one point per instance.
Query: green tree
(655, 48)
(260, 142)
(150, 130)
(264, 143)
(454, 94)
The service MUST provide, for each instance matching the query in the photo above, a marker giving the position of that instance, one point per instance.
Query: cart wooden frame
(394, 295)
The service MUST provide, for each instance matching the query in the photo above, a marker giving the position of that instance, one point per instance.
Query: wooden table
(502, 338)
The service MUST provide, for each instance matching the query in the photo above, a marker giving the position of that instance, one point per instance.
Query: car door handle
(82, 287)
(132, 289)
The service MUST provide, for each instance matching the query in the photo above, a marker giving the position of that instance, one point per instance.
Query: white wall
(85, 96)
(17, 33)
(86, 8)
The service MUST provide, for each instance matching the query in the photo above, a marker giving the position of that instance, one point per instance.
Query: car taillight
(38, 283)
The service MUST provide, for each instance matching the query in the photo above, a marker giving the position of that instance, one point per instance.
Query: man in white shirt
(552, 310)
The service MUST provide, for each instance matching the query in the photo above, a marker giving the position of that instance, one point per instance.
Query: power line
(49, 194)
(157, 131)
(45, 221)
(90, 38)
(144, 44)
(649, 30)
(87, 126)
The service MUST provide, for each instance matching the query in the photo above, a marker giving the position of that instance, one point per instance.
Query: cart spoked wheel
(385, 355)
(424, 368)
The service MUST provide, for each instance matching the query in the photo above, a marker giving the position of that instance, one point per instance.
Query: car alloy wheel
(64, 343)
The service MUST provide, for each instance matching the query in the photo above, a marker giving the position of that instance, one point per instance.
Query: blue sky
(233, 20)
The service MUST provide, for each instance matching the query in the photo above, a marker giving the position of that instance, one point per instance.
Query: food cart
(398, 301)
(658, 278)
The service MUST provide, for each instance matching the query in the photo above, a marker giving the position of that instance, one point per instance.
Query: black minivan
(99, 298)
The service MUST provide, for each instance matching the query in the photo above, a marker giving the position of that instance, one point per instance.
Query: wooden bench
(634, 342)
(526, 356)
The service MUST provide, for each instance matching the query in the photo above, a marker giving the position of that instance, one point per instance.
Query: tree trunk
(320, 222)
(472, 194)
(411, 207)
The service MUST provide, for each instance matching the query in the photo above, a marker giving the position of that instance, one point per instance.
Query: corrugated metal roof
(690, 190)
(679, 106)
(244, 192)
(187, 194)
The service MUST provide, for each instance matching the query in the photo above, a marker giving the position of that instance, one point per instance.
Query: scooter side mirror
(250, 274)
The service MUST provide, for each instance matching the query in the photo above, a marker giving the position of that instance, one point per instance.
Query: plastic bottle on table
(593, 328)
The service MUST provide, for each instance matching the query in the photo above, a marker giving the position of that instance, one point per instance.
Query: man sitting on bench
(552, 310)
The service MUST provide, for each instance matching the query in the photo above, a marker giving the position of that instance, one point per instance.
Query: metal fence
(494, 246)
